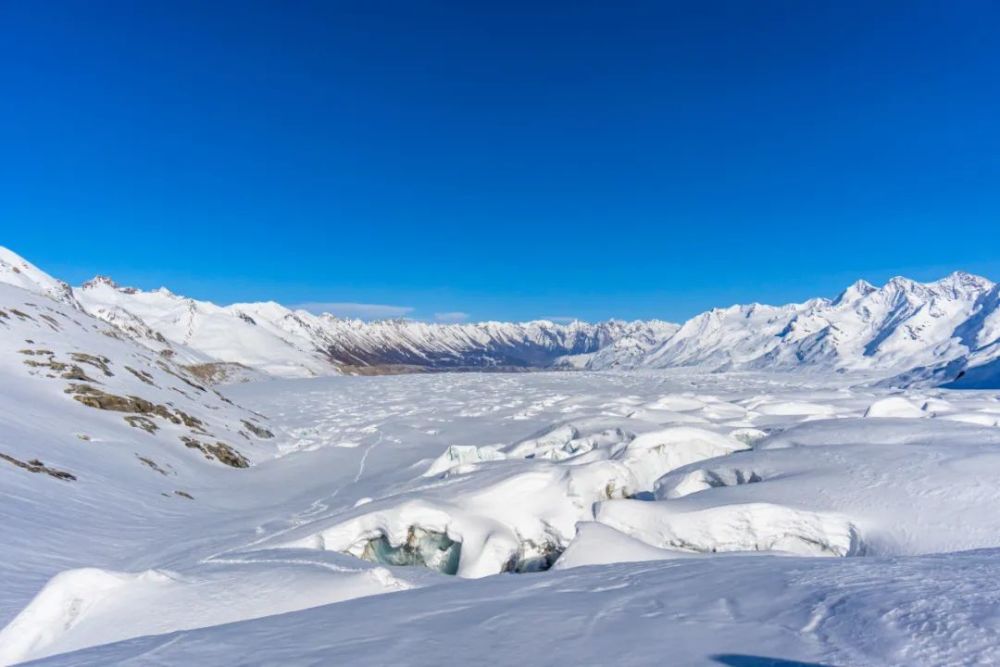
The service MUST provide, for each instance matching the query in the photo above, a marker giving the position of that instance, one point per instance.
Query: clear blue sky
(504, 160)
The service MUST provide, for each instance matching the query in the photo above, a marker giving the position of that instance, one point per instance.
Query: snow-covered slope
(892, 329)
(295, 343)
(218, 333)
(899, 326)
(19, 272)
(67, 366)
(97, 431)
(480, 345)
(926, 333)
(713, 518)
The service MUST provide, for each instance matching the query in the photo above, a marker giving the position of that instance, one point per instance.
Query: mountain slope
(295, 343)
(77, 370)
(19, 272)
(211, 332)
(911, 332)
(901, 325)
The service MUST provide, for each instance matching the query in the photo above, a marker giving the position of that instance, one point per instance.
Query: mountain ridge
(934, 332)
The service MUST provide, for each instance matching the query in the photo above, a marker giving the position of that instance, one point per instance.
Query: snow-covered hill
(17, 271)
(60, 366)
(710, 517)
(295, 343)
(900, 326)
(714, 518)
(536, 344)
(947, 331)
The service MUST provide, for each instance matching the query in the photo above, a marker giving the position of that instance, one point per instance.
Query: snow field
(476, 475)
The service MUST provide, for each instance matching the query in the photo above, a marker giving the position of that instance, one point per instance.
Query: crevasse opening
(430, 549)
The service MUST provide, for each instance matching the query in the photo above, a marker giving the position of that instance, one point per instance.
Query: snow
(894, 406)
(605, 517)
(282, 342)
(932, 610)
(883, 501)
(901, 326)
(19, 272)
(915, 333)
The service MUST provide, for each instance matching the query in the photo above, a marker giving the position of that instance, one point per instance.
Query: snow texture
(621, 517)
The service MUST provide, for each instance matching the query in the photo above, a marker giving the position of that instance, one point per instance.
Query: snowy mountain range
(947, 331)
(269, 522)
(276, 340)
(932, 331)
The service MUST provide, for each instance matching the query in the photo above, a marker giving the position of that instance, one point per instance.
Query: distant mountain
(295, 343)
(900, 326)
(942, 332)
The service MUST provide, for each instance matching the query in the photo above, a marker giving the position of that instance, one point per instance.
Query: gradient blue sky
(502, 160)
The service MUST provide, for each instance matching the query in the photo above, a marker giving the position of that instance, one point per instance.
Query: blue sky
(501, 160)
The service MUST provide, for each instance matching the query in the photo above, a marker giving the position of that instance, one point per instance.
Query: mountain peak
(902, 282)
(960, 281)
(104, 281)
(19, 272)
(98, 281)
(856, 290)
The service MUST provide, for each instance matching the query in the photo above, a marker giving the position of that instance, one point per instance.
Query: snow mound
(515, 510)
(566, 441)
(454, 540)
(460, 458)
(682, 483)
(743, 527)
(66, 600)
(658, 416)
(894, 406)
(650, 455)
(89, 606)
(676, 403)
(979, 418)
(789, 408)
(599, 544)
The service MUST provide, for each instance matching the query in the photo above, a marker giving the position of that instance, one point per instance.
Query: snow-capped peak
(902, 325)
(99, 281)
(960, 283)
(19, 272)
(857, 290)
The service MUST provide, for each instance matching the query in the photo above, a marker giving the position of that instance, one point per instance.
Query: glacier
(799, 483)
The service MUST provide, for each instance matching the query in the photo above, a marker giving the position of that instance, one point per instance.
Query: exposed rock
(152, 464)
(167, 369)
(74, 372)
(143, 376)
(67, 371)
(258, 431)
(34, 465)
(29, 352)
(219, 451)
(216, 372)
(145, 423)
(95, 398)
(190, 421)
(52, 322)
(94, 360)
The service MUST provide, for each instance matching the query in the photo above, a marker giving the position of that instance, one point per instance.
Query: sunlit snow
(668, 516)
